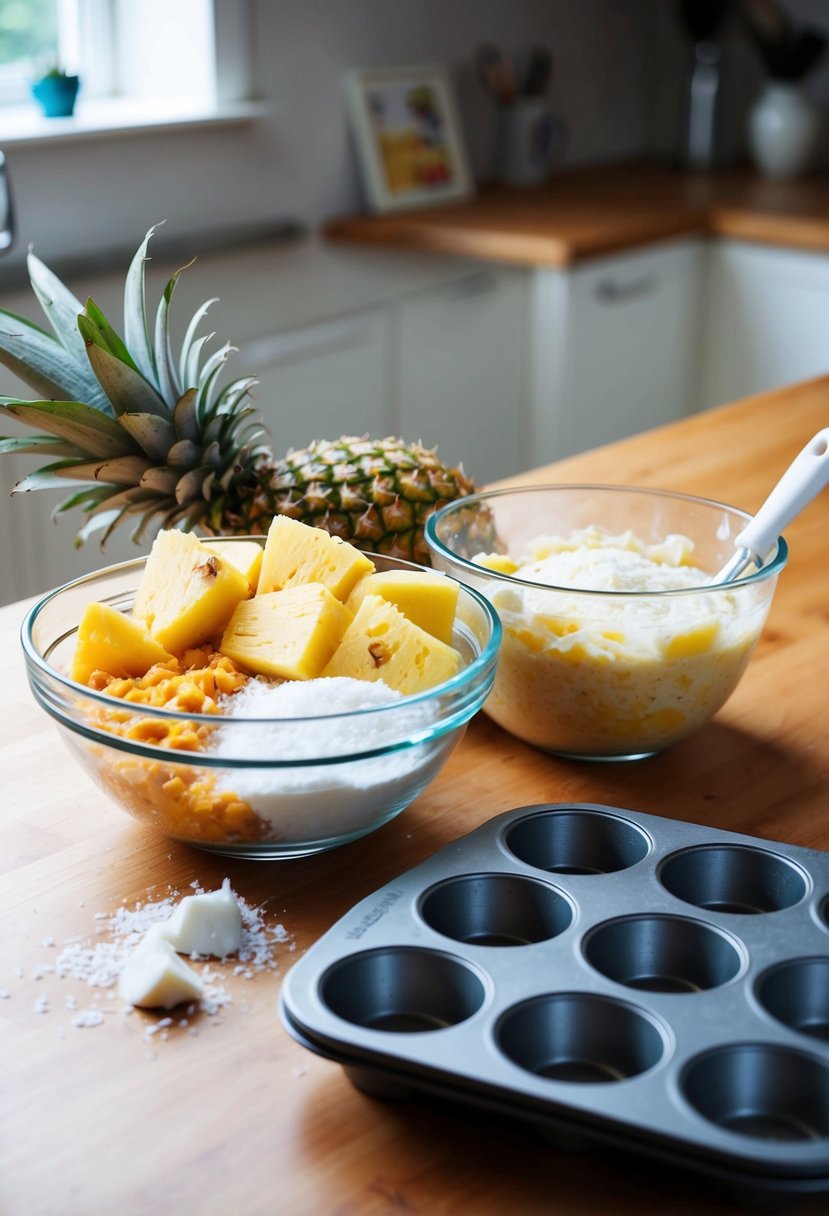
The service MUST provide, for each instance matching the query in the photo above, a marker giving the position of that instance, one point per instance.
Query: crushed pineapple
(182, 801)
(614, 673)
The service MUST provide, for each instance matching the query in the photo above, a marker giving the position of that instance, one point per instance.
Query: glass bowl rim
(766, 571)
(465, 677)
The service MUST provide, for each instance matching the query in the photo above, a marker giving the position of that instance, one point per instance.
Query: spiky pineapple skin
(377, 494)
(146, 438)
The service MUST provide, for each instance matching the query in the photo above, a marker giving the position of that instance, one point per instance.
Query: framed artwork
(408, 137)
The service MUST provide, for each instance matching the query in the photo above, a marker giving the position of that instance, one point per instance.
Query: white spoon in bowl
(805, 477)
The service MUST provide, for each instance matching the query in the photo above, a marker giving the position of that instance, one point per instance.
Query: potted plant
(56, 91)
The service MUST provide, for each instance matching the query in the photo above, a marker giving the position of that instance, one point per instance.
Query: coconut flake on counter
(99, 965)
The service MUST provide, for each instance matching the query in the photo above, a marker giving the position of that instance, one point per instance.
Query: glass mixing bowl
(261, 788)
(609, 674)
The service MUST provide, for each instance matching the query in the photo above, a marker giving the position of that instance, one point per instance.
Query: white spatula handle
(805, 477)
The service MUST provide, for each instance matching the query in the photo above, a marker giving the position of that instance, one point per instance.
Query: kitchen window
(29, 35)
(141, 65)
(35, 35)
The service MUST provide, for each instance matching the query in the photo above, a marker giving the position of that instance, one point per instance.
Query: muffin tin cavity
(577, 842)
(496, 910)
(402, 990)
(761, 1091)
(662, 953)
(734, 878)
(607, 977)
(797, 994)
(581, 1039)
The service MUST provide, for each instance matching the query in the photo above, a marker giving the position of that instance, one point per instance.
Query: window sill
(97, 118)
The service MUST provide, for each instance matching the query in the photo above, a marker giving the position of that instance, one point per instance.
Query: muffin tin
(617, 979)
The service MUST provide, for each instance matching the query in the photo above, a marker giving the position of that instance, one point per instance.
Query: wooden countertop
(584, 213)
(237, 1117)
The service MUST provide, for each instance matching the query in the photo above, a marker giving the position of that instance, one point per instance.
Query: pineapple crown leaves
(147, 433)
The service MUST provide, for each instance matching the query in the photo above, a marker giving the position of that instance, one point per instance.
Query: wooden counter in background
(583, 213)
(236, 1117)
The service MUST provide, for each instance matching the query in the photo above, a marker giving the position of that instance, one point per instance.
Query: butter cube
(154, 977)
(209, 923)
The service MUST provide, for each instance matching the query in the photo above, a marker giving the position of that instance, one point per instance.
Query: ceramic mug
(530, 142)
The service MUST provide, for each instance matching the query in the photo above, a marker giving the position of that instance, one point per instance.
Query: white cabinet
(613, 347)
(438, 357)
(766, 323)
(461, 374)
(323, 381)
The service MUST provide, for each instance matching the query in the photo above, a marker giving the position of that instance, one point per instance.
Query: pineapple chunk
(290, 633)
(112, 642)
(296, 553)
(499, 563)
(246, 555)
(187, 593)
(427, 599)
(380, 644)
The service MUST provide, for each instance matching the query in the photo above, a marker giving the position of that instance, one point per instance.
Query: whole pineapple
(144, 437)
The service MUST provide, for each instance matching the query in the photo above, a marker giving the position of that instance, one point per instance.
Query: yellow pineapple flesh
(296, 553)
(112, 642)
(381, 644)
(427, 599)
(187, 594)
(499, 563)
(246, 555)
(290, 634)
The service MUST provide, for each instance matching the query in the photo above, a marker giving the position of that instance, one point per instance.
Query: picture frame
(408, 136)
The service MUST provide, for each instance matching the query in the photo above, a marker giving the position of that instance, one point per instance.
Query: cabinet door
(634, 338)
(767, 321)
(324, 380)
(614, 347)
(462, 371)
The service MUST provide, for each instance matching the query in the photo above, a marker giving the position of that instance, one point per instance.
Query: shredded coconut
(315, 801)
(98, 962)
(87, 1018)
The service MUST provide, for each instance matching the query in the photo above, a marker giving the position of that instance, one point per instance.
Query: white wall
(105, 193)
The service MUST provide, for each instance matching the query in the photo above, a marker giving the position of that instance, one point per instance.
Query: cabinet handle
(610, 291)
(326, 338)
(481, 283)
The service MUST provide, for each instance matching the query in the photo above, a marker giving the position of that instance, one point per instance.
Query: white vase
(783, 129)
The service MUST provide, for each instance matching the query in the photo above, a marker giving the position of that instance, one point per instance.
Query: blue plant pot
(57, 95)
